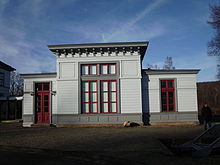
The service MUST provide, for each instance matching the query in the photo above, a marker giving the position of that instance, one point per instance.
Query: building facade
(4, 89)
(105, 84)
(170, 95)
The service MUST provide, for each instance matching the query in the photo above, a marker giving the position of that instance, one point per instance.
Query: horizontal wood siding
(7, 79)
(186, 93)
(130, 90)
(29, 83)
(67, 100)
(187, 100)
(129, 67)
(154, 101)
(186, 82)
(28, 104)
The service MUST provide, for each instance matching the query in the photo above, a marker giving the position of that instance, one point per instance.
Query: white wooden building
(105, 84)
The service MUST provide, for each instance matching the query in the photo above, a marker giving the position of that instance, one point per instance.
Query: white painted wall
(67, 100)
(130, 69)
(186, 92)
(68, 81)
(28, 102)
(68, 67)
(67, 85)
(130, 86)
(130, 96)
(67, 70)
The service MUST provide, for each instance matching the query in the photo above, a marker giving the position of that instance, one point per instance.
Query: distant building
(104, 84)
(4, 89)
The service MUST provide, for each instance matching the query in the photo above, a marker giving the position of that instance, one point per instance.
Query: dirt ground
(96, 145)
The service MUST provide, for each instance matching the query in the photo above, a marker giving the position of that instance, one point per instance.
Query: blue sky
(174, 28)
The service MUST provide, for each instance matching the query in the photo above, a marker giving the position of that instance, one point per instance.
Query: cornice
(99, 49)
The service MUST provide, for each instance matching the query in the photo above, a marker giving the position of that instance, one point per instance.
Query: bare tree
(168, 64)
(16, 84)
(214, 44)
(150, 66)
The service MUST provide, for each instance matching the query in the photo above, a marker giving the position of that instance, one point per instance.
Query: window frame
(98, 77)
(99, 69)
(2, 79)
(89, 69)
(167, 90)
(89, 100)
(109, 93)
(108, 68)
(43, 85)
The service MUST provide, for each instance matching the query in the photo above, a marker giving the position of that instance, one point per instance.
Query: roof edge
(6, 66)
(38, 75)
(94, 45)
(176, 71)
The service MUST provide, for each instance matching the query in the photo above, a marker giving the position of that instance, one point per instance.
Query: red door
(42, 103)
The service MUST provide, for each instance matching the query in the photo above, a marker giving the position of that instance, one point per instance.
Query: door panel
(42, 103)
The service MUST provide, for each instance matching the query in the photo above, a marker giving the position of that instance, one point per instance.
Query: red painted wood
(168, 96)
(109, 93)
(43, 103)
(98, 69)
(90, 102)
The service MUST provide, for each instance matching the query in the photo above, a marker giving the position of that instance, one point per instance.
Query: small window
(163, 84)
(112, 69)
(42, 86)
(46, 86)
(85, 69)
(89, 69)
(39, 87)
(46, 109)
(46, 97)
(106, 69)
(93, 69)
(170, 84)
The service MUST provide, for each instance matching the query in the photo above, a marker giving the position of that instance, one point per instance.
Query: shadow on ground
(113, 145)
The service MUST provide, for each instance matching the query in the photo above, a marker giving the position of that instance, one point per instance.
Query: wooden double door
(42, 102)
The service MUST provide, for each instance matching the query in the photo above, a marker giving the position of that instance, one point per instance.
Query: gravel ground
(103, 145)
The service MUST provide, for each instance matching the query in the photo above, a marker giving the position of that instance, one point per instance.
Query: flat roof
(6, 66)
(98, 45)
(38, 75)
(175, 71)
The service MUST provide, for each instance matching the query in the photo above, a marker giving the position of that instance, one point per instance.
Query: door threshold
(41, 125)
